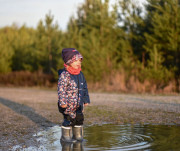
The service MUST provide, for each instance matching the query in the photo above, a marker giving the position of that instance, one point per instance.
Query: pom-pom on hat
(70, 55)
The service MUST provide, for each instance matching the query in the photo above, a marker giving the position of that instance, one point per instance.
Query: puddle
(113, 137)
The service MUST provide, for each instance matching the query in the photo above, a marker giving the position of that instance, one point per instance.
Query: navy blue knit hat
(70, 55)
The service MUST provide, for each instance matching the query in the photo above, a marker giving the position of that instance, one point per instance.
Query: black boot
(78, 132)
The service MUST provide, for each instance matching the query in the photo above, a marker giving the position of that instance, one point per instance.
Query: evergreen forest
(128, 48)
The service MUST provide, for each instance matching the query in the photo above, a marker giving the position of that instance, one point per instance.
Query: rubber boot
(67, 134)
(78, 132)
(78, 146)
(66, 146)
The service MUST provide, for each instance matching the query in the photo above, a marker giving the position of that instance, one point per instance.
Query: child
(72, 95)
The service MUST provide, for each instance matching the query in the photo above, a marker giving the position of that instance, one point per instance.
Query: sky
(30, 12)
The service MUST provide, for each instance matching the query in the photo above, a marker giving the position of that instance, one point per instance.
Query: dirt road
(24, 111)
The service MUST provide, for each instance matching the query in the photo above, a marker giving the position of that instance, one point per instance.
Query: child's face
(76, 64)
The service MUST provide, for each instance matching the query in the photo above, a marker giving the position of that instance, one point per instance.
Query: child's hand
(64, 106)
(86, 104)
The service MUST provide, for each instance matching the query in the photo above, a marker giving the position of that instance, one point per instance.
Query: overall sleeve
(62, 88)
(86, 98)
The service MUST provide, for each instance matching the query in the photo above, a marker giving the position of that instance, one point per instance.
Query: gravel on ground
(24, 111)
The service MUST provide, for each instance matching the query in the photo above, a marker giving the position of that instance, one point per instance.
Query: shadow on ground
(28, 112)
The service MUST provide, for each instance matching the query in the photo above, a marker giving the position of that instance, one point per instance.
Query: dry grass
(26, 78)
(119, 82)
(115, 82)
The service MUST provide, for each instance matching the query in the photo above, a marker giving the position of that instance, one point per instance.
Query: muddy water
(113, 137)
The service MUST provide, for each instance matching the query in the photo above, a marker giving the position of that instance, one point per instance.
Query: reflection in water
(78, 146)
(113, 137)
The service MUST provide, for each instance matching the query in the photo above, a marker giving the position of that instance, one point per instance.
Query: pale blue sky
(29, 12)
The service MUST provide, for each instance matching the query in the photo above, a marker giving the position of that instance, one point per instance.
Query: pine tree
(23, 49)
(97, 36)
(48, 45)
(164, 30)
(6, 51)
(130, 39)
(162, 36)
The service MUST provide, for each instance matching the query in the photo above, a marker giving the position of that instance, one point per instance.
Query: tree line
(126, 39)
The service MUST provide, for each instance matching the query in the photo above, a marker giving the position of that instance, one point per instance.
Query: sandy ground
(24, 111)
